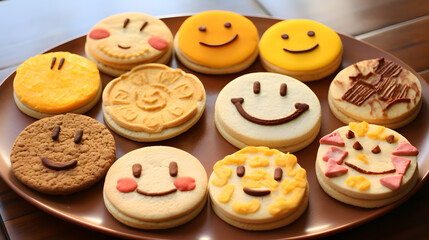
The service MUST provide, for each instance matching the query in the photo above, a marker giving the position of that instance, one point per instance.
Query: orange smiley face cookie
(217, 42)
(301, 48)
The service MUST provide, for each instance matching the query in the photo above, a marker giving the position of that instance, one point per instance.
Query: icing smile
(302, 51)
(124, 47)
(222, 44)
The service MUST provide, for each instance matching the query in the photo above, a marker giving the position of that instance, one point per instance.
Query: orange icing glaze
(55, 90)
(272, 44)
(216, 33)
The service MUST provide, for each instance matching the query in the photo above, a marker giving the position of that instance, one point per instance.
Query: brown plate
(324, 215)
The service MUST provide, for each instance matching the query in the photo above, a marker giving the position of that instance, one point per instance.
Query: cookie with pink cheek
(123, 41)
(155, 187)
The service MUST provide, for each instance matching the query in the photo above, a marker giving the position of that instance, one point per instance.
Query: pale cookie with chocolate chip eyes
(153, 102)
(155, 187)
(268, 109)
(123, 41)
(62, 154)
(366, 165)
(258, 188)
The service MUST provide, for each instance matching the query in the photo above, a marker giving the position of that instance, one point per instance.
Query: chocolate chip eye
(283, 89)
(311, 33)
(78, 136)
(56, 132)
(202, 28)
(278, 174)
(256, 87)
(143, 26)
(227, 25)
(137, 170)
(126, 22)
(285, 36)
(173, 169)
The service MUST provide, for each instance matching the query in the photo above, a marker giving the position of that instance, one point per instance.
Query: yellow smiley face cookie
(301, 48)
(217, 42)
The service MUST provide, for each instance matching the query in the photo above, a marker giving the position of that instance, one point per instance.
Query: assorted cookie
(153, 102)
(377, 91)
(258, 188)
(155, 188)
(268, 109)
(366, 165)
(62, 154)
(301, 48)
(122, 41)
(56, 83)
(217, 42)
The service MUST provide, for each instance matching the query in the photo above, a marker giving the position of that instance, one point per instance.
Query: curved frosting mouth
(256, 192)
(300, 108)
(156, 194)
(221, 44)
(124, 47)
(302, 51)
(58, 165)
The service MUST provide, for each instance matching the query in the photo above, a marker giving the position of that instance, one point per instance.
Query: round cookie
(123, 41)
(268, 109)
(55, 83)
(377, 91)
(155, 188)
(62, 154)
(217, 42)
(258, 188)
(153, 102)
(366, 165)
(301, 48)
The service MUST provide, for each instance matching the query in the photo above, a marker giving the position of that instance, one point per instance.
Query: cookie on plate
(268, 109)
(155, 187)
(258, 188)
(55, 83)
(153, 102)
(123, 41)
(301, 48)
(217, 42)
(62, 154)
(366, 165)
(377, 91)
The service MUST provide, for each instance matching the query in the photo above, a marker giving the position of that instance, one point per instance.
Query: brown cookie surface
(62, 154)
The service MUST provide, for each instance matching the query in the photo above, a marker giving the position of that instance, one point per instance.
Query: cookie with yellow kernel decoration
(153, 102)
(258, 188)
(55, 83)
(217, 42)
(366, 165)
(123, 41)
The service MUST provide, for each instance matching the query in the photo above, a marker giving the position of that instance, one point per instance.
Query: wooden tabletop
(400, 27)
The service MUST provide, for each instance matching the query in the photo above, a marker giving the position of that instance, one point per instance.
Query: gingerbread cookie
(217, 42)
(258, 188)
(268, 109)
(366, 165)
(155, 188)
(153, 102)
(62, 154)
(377, 91)
(55, 83)
(301, 48)
(123, 41)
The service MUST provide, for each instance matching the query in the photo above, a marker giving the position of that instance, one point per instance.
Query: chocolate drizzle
(256, 192)
(368, 172)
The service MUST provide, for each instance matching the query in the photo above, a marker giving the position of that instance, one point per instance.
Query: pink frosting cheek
(185, 183)
(158, 43)
(126, 185)
(99, 33)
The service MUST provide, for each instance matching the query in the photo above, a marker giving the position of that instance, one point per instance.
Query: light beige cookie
(123, 41)
(268, 109)
(217, 42)
(153, 102)
(377, 91)
(366, 165)
(258, 188)
(155, 188)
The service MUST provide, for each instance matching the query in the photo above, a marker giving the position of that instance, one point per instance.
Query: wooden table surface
(400, 27)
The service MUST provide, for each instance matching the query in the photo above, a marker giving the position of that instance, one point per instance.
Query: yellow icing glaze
(55, 90)
(226, 193)
(376, 133)
(222, 174)
(246, 208)
(259, 161)
(362, 157)
(361, 183)
(216, 33)
(259, 178)
(272, 44)
(282, 203)
(288, 185)
(359, 128)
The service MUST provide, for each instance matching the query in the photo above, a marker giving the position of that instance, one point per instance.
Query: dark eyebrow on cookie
(78, 137)
(126, 22)
(54, 59)
(56, 132)
(53, 62)
(143, 26)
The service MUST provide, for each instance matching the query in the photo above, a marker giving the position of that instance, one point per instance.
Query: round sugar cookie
(123, 41)
(268, 109)
(366, 165)
(377, 91)
(155, 187)
(217, 42)
(258, 188)
(55, 83)
(153, 102)
(62, 154)
(301, 48)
